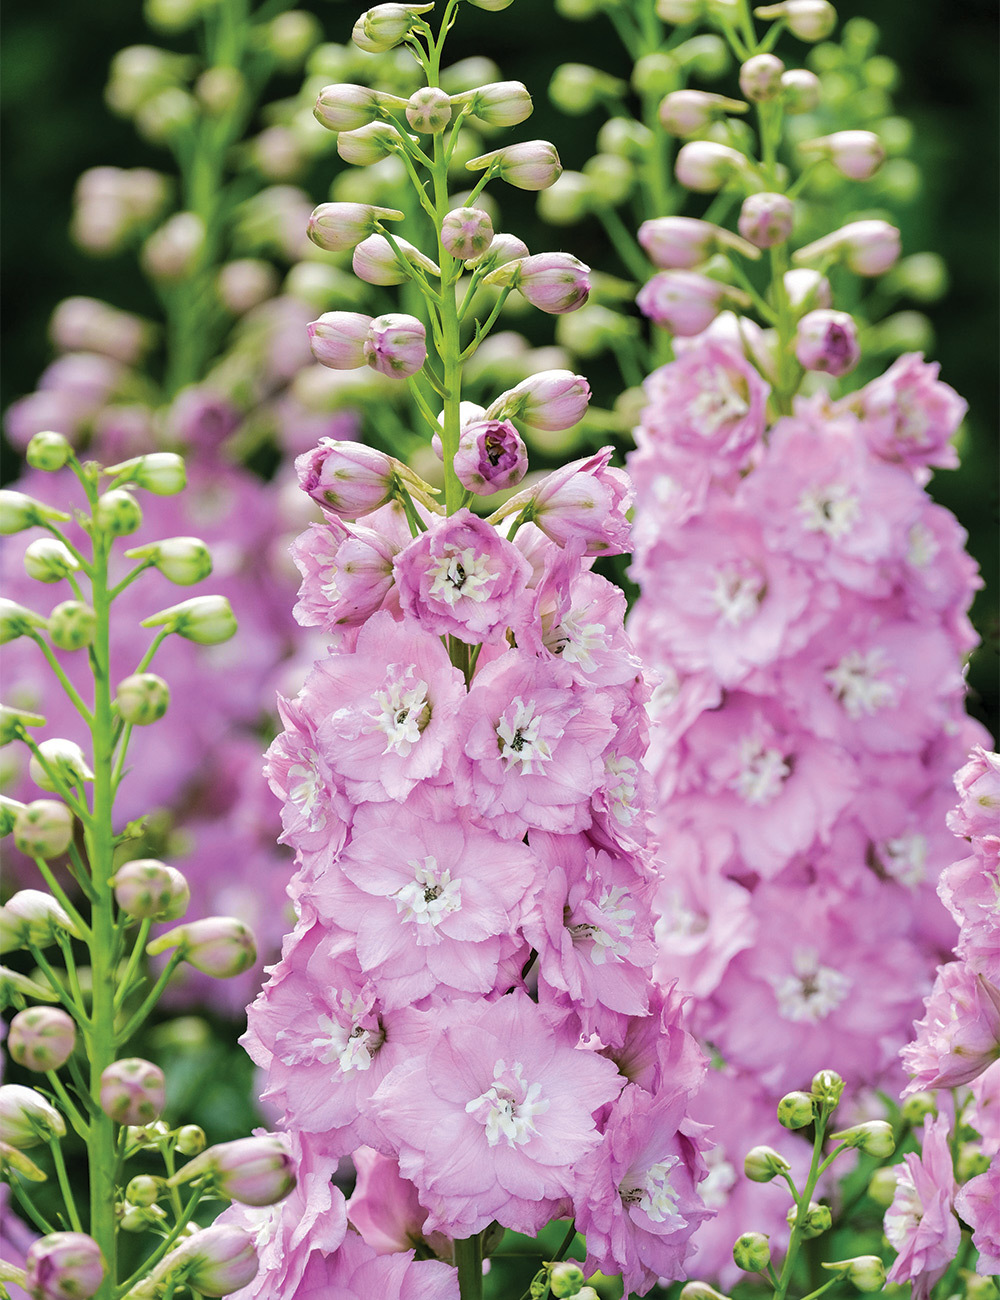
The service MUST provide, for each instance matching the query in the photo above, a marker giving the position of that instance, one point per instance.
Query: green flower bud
(827, 1087)
(147, 889)
(142, 699)
(923, 276)
(16, 620)
(818, 1219)
(49, 560)
(19, 511)
(11, 1158)
(612, 178)
(72, 625)
(917, 1106)
(882, 1187)
(577, 88)
(700, 1291)
(795, 1110)
(13, 722)
(764, 1163)
(144, 1190)
(656, 74)
(14, 984)
(118, 513)
(26, 1118)
(874, 1138)
(33, 917)
(566, 202)
(566, 1278)
(579, 10)
(159, 472)
(206, 620)
(972, 1161)
(866, 1272)
(190, 1140)
(182, 560)
(48, 451)
(59, 763)
(140, 1218)
(383, 27)
(752, 1252)
(43, 829)
(625, 139)
(291, 36)
(706, 55)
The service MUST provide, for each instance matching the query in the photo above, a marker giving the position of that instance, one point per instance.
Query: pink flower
(460, 578)
(314, 813)
(384, 1207)
(346, 478)
(491, 456)
(657, 1051)
(921, 1222)
(493, 1120)
(969, 890)
(984, 1115)
(978, 1204)
(978, 785)
(959, 1035)
(356, 1272)
(530, 747)
(909, 416)
(584, 501)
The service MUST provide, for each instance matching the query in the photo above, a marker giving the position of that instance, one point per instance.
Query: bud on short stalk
(118, 513)
(376, 261)
(43, 829)
(182, 560)
(337, 227)
(751, 1252)
(49, 560)
(827, 1087)
(760, 77)
(856, 154)
(566, 1278)
(809, 20)
(800, 91)
(428, 110)
(220, 946)
(681, 243)
(533, 165)
(206, 620)
(700, 1291)
(26, 1118)
(466, 233)
(499, 104)
(552, 282)
(348, 479)
(133, 1091)
(704, 166)
(346, 107)
(12, 1159)
(684, 302)
(383, 27)
(16, 620)
(687, 112)
(63, 1266)
(147, 889)
(866, 247)
(874, 1138)
(827, 340)
(818, 1219)
(48, 451)
(144, 1190)
(368, 144)
(159, 472)
(795, 1110)
(866, 1272)
(190, 1140)
(761, 1164)
(396, 345)
(551, 401)
(13, 723)
(253, 1170)
(338, 339)
(72, 625)
(142, 699)
(32, 916)
(807, 289)
(766, 219)
(19, 511)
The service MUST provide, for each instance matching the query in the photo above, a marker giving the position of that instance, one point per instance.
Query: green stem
(64, 1187)
(624, 243)
(127, 581)
(135, 957)
(80, 1125)
(58, 987)
(151, 998)
(795, 1240)
(36, 1217)
(469, 1261)
(61, 896)
(838, 1277)
(63, 680)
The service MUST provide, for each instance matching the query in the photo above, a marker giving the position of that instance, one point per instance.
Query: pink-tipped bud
(584, 501)
(533, 165)
(800, 91)
(347, 479)
(142, 699)
(396, 345)
(809, 20)
(214, 1261)
(368, 144)
(41, 1038)
(133, 1091)
(336, 227)
(704, 166)
(148, 889)
(346, 107)
(467, 233)
(43, 829)
(491, 457)
(383, 27)
(680, 243)
(856, 154)
(867, 247)
(683, 302)
(807, 289)
(26, 1118)
(376, 261)
(552, 282)
(253, 1170)
(33, 917)
(760, 77)
(551, 401)
(686, 112)
(766, 219)
(501, 103)
(220, 946)
(503, 248)
(338, 339)
(828, 341)
(172, 252)
(428, 110)
(63, 1266)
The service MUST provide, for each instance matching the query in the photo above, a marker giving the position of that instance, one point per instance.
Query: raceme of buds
(376, 261)
(253, 1170)
(72, 625)
(428, 110)
(761, 1164)
(338, 339)
(336, 227)
(795, 1110)
(681, 243)
(118, 513)
(501, 103)
(206, 620)
(396, 345)
(172, 252)
(346, 107)
(146, 888)
(532, 165)
(142, 699)
(41, 1038)
(33, 917)
(19, 511)
(64, 759)
(181, 560)
(704, 166)
(43, 829)
(368, 144)
(817, 1220)
(856, 154)
(760, 77)
(828, 341)
(159, 472)
(866, 247)
(866, 1272)
(766, 219)
(466, 233)
(48, 451)
(348, 479)
(220, 946)
(491, 457)
(383, 27)
(874, 1138)
(551, 401)
(49, 560)
(63, 1266)
(686, 112)
(751, 1252)
(26, 1118)
(133, 1091)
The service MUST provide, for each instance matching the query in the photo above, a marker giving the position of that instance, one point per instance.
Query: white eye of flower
(461, 575)
(621, 782)
(813, 991)
(428, 898)
(762, 772)
(519, 737)
(856, 683)
(608, 926)
(342, 1041)
(576, 641)
(922, 548)
(905, 858)
(401, 710)
(721, 400)
(737, 595)
(830, 509)
(651, 1191)
(508, 1108)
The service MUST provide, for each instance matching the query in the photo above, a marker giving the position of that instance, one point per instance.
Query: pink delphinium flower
(978, 785)
(978, 1204)
(356, 1272)
(385, 1210)
(959, 1035)
(584, 501)
(984, 1113)
(921, 1222)
(909, 416)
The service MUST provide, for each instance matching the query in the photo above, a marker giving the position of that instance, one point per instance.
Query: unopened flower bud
(828, 341)
(680, 12)
(215, 1261)
(368, 144)
(118, 513)
(686, 112)
(337, 227)
(48, 451)
(874, 1138)
(206, 620)
(866, 1272)
(751, 1252)
(972, 1161)
(383, 27)
(578, 88)
(148, 889)
(684, 302)
(491, 457)
(501, 103)
(220, 946)
(26, 1118)
(49, 560)
(533, 165)
(882, 1187)
(700, 1291)
(795, 1110)
(16, 620)
(348, 479)
(807, 289)
(63, 1266)
(41, 1038)
(66, 762)
(253, 1170)
(428, 110)
(800, 91)
(809, 20)
(19, 511)
(704, 166)
(566, 1278)
(33, 917)
(827, 1087)
(867, 247)
(12, 727)
(133, 1091)
(346, 107)
(552, 282)
(72, 625)
(856, 154)
(610, 177)
(172, 252)
(680, 243)
(338, 339)
(159, 472)
(377, 262)
(764, 1163)
(142, 699)
(551, 401)
(140, 1218)
(766, 219)
(143, 1190)
(817, 1220)
(760, 77)
(12, 1159)
(917, 1106)
(494, 6)
(190, 1140)
(43, 829)
(466, 233)
(396, 345)
(181, 560)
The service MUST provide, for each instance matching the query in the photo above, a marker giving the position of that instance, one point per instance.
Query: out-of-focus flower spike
(704, 166)
(686, 112)
(856, 154)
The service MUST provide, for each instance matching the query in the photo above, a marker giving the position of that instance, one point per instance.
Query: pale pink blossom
(921, 1223)
(385, 1210)
(978, 786)
(356, 1272)
(909, 416)
(978, 1205)
(959, 1035)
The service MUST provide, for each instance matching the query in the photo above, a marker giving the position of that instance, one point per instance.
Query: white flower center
(401, 710)
(305, 784)
(520, 739)
(428, 898)
(652, 1192)
(507, 1109)
(576, 641)
(678, 919)
(912, 418)
(344, 1042)
(737, 596)
(720, 401)
(621, 782)
(813, 991)
(665, 692)
(832, 509)
(608, 926)
(905, 858)
(762, 772)
(855, 682)
(922, 547)
(714, 1190)
(461, 575)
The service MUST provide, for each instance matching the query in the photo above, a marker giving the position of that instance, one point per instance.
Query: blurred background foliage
(55, 124)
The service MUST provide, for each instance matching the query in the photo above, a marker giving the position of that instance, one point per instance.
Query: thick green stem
(469, 1261)
(802, 1213)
